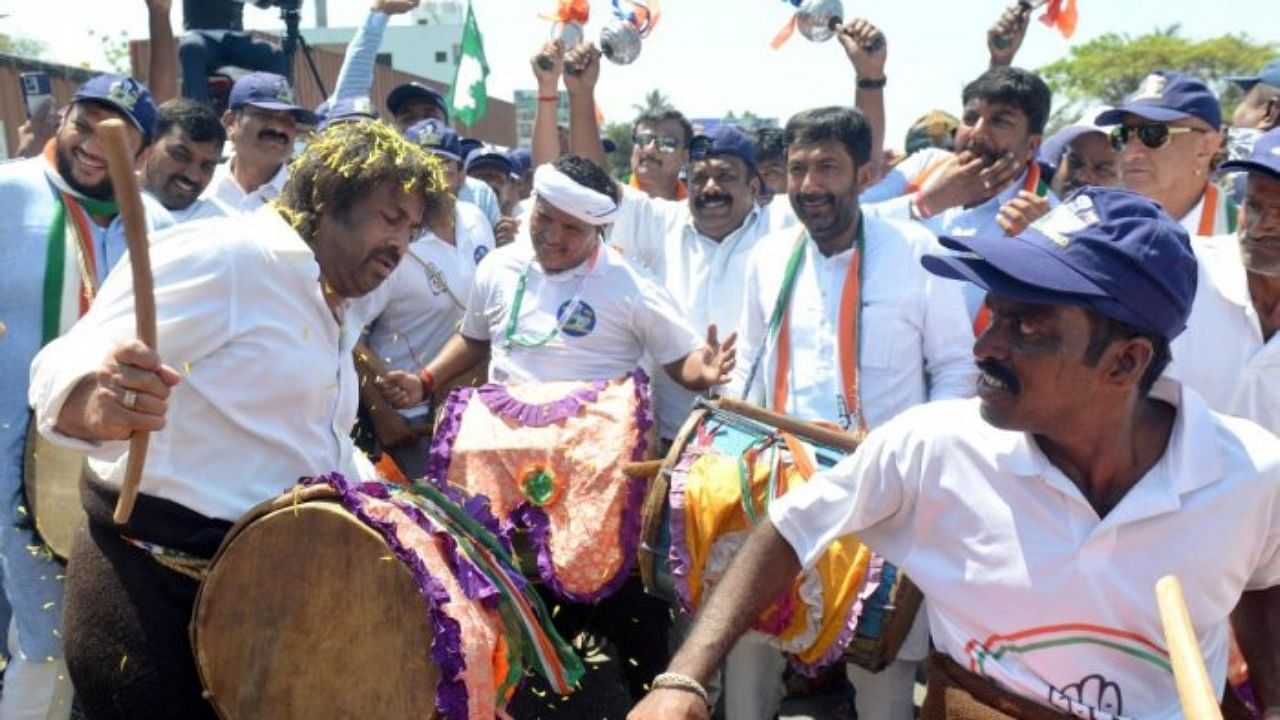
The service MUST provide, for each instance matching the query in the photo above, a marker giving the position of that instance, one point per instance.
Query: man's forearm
(459, 355)
(764, 567)
(162, 74)
(1256, 620)
(871, 103)
(584, 129)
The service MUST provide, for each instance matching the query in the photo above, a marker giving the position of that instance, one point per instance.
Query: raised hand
(394, 7)
(548, 66)
(1018, 214)
(865, 45)
(1005, 37)
(582, 69)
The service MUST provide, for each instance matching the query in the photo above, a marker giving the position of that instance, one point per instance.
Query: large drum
(352, 600)
(727, 463)
(51, 483)
(550, 457)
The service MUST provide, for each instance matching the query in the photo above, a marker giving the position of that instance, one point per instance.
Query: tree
(654, 102)
(620, 134)
(21, 46)
(115, 49)
(1105, 69)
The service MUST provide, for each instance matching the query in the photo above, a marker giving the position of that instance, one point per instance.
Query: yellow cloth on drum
(815, 613)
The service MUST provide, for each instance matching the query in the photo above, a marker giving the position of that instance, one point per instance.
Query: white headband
(568, 195)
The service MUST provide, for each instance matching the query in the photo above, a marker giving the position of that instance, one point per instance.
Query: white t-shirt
(1221, 354)
(268, 391)
(916, 343)
(1026, 584)
(622, 313)
(426, 296)
(897, 181)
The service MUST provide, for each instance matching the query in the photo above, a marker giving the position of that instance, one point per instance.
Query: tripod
(293, 39)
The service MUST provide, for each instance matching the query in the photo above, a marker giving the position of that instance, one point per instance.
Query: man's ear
(1129, 360)
(865, 176)
(1271, 114)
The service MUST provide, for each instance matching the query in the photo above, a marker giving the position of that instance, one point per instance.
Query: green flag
(468, 97)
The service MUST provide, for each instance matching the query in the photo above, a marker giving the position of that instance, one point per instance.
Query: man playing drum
(561, 305)
(256, 388)
(1038, 517)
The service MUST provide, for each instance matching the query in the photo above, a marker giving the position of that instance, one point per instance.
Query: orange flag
(1063, 15)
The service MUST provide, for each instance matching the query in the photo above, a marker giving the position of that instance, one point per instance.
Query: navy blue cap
(470, 145)
(1165, 96)
(1106, 249)
(521, 160)
(125, 95)
(1265, 157)
(726, 140)
(356, 109)
(609, 146)
(489, 156)
(268, 91)
(436, 138)
(411, 90)
(1268, 75)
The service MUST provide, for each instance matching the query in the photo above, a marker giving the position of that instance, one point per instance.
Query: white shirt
(897, 181)
(1026, 584)
(202, 209)
(705, 276)
(268, 391)
(622, 313)
(426, 295)
(1223, 209)
(1222, 354)
(977, 221)
(915, 345)
(233, 199)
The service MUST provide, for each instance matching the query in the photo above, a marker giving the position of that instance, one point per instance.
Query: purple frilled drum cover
(550, 457)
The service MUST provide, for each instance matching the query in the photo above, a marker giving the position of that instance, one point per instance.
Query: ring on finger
(130, 399)
(986, 184)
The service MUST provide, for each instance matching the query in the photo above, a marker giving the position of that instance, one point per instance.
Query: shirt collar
(267, 191)
(748, 223)
(1191, 221)
(583, 268)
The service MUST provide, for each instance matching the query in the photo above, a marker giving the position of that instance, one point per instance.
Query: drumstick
(1199, 701)
(120, 165)
(822, 436)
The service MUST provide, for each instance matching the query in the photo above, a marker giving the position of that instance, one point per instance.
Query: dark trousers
(637, 624)
(201, 52)
(125, 620)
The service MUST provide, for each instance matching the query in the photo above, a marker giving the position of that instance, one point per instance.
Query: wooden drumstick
(1195, 691)
(647, 469)
(124, 183)
(823, 436)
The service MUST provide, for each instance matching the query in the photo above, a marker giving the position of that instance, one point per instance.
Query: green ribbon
(56, 257)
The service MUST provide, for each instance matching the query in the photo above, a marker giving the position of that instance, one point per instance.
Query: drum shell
(51, 483)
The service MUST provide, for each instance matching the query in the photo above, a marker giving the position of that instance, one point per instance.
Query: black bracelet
(872, 83)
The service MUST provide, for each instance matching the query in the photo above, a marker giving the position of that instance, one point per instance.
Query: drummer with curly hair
(252, 387)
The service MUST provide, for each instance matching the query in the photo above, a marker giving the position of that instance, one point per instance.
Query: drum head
(51, 479)
(306, 613)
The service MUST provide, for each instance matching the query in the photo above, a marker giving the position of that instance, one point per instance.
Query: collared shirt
(27, 203)
(1221, 214)
(233, 199)
(1026, 584)
(478, 193)
(915, 342)
(268, 391)
(202, 209)
(426, 295)
(622, 313)
(1222, 354)
(705, 276)
(977, 221)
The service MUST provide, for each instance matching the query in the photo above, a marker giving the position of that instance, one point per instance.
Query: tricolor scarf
(71, 267)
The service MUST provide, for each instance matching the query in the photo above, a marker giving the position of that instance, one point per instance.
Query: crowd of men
(1060, 350)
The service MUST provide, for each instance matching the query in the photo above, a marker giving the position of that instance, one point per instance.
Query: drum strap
(182, 563)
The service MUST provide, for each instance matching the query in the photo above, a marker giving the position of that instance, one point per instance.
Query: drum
(550, 458)
(51, 481)
(728, 462)
(340, 599)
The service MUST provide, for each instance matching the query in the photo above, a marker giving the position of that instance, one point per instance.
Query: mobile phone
(37, 91)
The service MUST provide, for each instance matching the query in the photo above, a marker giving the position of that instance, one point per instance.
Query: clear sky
(712, 56)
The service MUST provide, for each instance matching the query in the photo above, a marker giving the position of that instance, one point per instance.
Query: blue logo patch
(581, 322)
(480, 252)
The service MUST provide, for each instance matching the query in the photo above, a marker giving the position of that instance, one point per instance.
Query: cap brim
(1022, 261)
(405, 93)
(1052, 148)
(1249, 166)
(303, 115)
(1244, 83)
(1148, 112)
(443, 154)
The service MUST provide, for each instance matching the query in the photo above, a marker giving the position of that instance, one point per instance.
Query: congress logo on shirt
(581, 322)
(480, 253)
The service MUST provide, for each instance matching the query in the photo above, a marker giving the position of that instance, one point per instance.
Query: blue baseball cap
(726, 140)
(124, 95)
(1268, 75)
(521, 160)
(436, 138)
(1105, 249)
(416, 90)
(489, 156)
(1165, 96)
(268, 91)
(609, 146)
(1053, 146)
(1265, 157)
(357, 109)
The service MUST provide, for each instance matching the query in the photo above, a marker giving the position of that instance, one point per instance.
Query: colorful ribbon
(643, 15)
(1061, 14)
(567, 11)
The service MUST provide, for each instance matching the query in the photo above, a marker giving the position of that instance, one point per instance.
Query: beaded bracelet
(680, 681)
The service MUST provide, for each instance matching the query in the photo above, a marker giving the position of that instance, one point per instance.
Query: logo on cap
(1152, 88)
(1066, 219)
(124, 94)
(431, 138)
(284, 94)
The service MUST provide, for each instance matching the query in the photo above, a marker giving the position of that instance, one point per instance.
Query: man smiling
(188, 148)
(1046, 509)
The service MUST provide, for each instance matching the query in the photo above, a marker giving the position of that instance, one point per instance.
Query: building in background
(428, 48)
(526, 104)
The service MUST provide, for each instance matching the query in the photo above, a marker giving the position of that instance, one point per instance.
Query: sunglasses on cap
(666, 143)
(1153, 135)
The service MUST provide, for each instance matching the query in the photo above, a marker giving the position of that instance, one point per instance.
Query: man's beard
(100, 191)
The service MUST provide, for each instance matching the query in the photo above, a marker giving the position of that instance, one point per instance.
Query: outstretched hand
(718, 359)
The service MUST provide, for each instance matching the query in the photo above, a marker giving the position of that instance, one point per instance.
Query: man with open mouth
(1038, 517)
(188, 148)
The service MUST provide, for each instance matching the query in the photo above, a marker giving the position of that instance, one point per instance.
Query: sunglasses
(666, 143)
(1153, 135)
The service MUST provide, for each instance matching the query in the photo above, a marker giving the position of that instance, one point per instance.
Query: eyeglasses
(1153, 135)
(666, 143)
